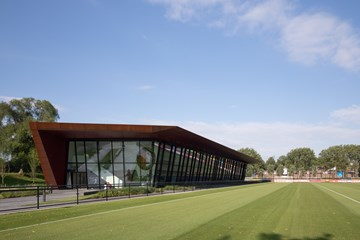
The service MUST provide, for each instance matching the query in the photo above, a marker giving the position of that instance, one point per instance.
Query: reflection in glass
(117, 163)
(106, 162)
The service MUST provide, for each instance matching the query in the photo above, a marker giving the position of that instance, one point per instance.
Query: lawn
(263, 211)
(15, 179)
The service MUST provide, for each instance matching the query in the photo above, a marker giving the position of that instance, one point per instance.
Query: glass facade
(118, 163)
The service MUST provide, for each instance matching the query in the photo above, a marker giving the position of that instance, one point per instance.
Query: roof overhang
(169, 134)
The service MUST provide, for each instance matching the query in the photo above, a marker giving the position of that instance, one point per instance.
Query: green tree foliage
(254, 169)
(352, 153)
(2, 170)
(342, 157)
(333, 157)
(279, 169)
(301, 158)
(299, 161)
(291, 170)
(16, 141)
(270, 165)
(282, 160)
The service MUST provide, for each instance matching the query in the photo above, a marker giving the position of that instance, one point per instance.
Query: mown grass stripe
(340, 194)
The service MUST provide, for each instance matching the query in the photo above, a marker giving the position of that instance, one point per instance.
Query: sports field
(262, 211)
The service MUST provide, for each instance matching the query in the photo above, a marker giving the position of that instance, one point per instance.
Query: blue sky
(272, 75)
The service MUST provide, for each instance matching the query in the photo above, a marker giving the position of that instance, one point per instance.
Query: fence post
(147, 189)
(106, 192)
(77, 194)
(44, 194)
(38, 197)
(129, 190)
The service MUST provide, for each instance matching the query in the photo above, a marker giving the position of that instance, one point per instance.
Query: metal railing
(21, 198)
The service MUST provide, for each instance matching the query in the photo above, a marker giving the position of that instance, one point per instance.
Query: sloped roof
(169, 134)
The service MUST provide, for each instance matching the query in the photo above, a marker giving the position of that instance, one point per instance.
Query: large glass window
(118, 161)
(132, 169)
(96, 163)
(145, 160)
(106, 162)
(92, 164)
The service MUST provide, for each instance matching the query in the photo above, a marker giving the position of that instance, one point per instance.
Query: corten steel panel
(51, 142)
(45, 165)
(56, 149)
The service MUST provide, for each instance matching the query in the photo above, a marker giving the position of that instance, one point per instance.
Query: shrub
(124, 192)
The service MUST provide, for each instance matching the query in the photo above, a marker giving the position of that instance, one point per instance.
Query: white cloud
(309, 38)
(145, 87)
(186, 10)
(271, 139)
(350, 114)
(306, 37)
(7, 98)
(266, 15)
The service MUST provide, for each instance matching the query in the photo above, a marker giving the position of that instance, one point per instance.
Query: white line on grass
(112, 211)
(340, 194)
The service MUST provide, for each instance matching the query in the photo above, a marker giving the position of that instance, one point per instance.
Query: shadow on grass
(275, 236)
(226, 237)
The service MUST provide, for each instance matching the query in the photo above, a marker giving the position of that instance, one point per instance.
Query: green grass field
(263, 211)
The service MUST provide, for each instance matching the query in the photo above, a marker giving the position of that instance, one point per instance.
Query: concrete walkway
(19, 204)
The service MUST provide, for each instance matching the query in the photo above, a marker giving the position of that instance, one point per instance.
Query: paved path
(19, 204)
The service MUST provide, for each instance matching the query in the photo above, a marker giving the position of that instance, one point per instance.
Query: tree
(34, 162)
(301, 158)
(2, 170)
(17, 143)
(352, 153)
(270, 169)
(280, 170)
(291, 170)
(334, 158)
(270, 165)
(282, 160)
(270, 161)
(257, 168)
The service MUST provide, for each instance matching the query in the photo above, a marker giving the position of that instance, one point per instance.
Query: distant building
(94, 155)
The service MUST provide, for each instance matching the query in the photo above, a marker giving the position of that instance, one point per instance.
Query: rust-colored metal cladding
(52, 139)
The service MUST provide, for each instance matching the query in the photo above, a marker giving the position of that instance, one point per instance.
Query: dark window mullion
(161, 161)
(98, 163)
(112, 162)
(207, 166)
(184, 151)
(233, 163)
(213, 158)
(223, 169)
(215, 168)
(86, 167)
(198, 170)
(187, 165)
(173, 158)
(169, 165)
(123, 162)
(193, 160)
(178, 174)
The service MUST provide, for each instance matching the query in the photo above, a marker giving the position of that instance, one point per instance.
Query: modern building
(92, 155)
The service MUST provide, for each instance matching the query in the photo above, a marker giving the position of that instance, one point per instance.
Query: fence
(39, 197)
(307, 180)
